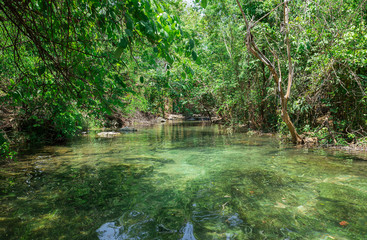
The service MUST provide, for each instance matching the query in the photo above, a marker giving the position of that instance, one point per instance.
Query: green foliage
(63, 61)
(6, 153)
(66, 62)
(328, 48)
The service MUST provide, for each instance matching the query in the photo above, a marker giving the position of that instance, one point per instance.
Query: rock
(217, 120)
(163, 229)
(310, 140)
(234, 220)
(128, 129)
(191, 119)
(175, 117)
(160, 119)
(108, 134)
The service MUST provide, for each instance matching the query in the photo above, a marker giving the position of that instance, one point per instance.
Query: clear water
(183, 181)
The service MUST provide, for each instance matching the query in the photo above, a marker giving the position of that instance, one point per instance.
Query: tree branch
(290, 66)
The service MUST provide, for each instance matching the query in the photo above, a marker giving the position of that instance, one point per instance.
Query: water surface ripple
(187, 181)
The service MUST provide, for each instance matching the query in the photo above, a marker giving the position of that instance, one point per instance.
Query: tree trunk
(254, 50)
(296, 138)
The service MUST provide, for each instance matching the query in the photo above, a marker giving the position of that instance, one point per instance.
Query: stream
(185, 181)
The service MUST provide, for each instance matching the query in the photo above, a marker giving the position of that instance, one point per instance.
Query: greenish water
(183, 181)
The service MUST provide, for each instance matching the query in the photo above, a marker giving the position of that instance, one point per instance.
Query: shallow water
(183, 181)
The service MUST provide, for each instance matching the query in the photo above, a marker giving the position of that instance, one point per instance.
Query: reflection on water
(110, 231)
(188, 232)
(183, 181)
(134, 225)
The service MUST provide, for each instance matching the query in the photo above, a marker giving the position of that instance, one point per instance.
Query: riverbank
(10, 147)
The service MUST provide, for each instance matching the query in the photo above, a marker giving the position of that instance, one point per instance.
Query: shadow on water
(187, 182)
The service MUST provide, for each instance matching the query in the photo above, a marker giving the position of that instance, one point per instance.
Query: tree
(60, 58)
(276, 74)
(78, 43)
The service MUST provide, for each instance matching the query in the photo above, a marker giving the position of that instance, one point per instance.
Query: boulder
(108, 134)
(160, 119)
(310, 140)
(175, 117)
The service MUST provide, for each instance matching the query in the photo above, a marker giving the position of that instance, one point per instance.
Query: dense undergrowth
(69, 65)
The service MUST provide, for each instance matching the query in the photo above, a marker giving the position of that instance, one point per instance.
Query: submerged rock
(150, 159)
(163, 229)
(109, 230)
(108, 134)
(128, 129)
(234, 220)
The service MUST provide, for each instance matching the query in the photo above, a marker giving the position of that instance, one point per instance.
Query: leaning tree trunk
(254, 50)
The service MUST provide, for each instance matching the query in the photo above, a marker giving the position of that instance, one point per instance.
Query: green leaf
(203, 3)
(41, 70)
(123, 42)
(169, 58)
(165, 16)
(191, 71)
(159, 6)
(119, 81)
(129, 32)
(129, 24)
(198, 60)
(191, 43)
(141, 79)
(194, 55)
(118, 52)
